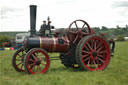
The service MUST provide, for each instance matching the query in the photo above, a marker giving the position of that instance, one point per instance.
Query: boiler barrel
(50, 44)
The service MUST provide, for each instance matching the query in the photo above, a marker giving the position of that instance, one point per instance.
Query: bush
(4, 39)
(120, 38)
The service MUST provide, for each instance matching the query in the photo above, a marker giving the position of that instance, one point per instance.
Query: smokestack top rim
(33, 5)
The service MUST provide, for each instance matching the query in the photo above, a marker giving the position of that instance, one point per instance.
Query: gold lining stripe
(40, 42)
(54, 43)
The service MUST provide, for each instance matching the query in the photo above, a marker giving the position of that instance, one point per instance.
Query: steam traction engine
(79, 47)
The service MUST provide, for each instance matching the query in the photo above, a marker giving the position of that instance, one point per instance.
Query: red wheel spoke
(34, 57)
(41, 59)
(19, 55)
(86, 59)
(83, 25)
(100, 59)
(97, 61)
(101, 52)
(76, 25)
(95, 45)
(91, 62)
(85, 33)
(99, 44)
(31, 60)
(89, 46)
(32, 64)
(32, 67)
(87, 52)
(100, 55)
(92, 43)
(19, 63)
(85, 55)
(75, 38)
(88, 62)
(99, 49)
(36, 54)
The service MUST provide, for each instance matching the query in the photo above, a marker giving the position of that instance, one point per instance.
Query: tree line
(113, 31)
(123, 31)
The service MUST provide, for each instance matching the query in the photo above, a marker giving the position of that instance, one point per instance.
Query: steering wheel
(77, 30)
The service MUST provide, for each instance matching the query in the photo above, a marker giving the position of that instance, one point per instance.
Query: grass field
(115, 74)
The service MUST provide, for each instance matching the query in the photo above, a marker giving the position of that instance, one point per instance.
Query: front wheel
(37, 61)
(93, 53)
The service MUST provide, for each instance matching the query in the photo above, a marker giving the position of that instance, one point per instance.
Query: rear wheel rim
(95, 54)
(37, 62)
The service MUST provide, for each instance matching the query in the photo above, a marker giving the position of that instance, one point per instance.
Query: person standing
(42, 29)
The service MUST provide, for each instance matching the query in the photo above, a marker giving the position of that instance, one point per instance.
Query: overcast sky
(14, 14)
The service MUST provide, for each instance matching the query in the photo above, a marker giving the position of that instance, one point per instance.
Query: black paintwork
(32, 42)
(32, 20)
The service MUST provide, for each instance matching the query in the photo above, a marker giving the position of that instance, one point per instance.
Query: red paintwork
(51, 44)
(102, 50)
(33, 68)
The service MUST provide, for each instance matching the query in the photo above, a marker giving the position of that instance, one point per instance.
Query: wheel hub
(79, 33)
(94, 54)
(38, 62)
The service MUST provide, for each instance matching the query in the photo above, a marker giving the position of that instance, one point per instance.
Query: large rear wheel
(93, 53)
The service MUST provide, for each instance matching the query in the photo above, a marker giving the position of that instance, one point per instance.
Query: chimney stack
(33, 20)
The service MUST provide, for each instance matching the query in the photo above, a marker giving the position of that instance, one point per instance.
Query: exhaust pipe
(33, 20)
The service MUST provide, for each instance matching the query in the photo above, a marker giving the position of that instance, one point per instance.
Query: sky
(15, 16)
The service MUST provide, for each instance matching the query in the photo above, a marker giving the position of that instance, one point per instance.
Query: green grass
(115, 74)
